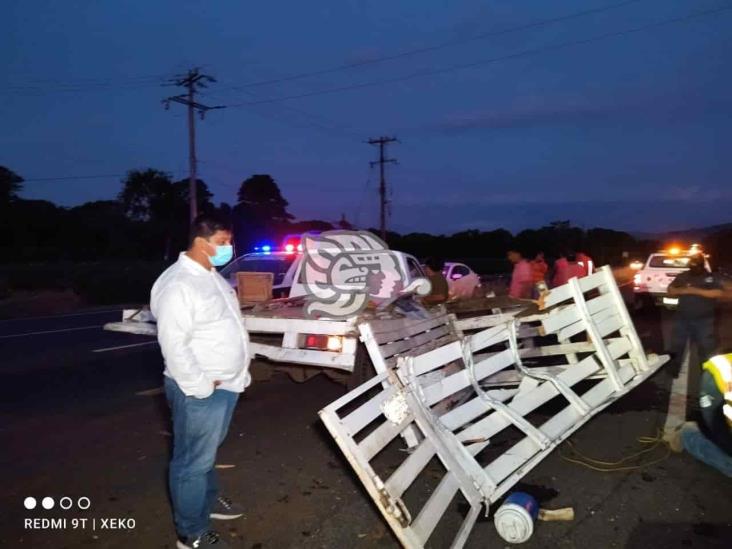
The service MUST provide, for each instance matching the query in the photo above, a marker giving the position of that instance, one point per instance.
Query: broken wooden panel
(518, 396)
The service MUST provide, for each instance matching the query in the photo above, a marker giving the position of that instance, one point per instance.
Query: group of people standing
(697, 291)
(529, 275)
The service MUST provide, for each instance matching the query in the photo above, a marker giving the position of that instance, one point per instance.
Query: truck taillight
(324, 342)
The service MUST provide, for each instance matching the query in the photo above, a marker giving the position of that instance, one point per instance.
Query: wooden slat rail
(417, 361)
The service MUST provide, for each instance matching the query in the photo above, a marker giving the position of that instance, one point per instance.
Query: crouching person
(713, 444)
(206, 352)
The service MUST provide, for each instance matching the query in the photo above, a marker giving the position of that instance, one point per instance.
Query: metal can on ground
(514, 519)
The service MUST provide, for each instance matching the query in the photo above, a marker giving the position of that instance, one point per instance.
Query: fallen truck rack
(457, 456)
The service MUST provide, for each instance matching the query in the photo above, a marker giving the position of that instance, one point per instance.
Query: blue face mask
(222, 256)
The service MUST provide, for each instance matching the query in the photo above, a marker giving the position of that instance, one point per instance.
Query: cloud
(524, 117)
(538, 112)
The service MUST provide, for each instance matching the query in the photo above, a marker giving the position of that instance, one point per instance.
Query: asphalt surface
(81, 416)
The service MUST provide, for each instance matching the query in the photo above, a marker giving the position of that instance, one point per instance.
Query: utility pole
(192, 81)
(382, 142)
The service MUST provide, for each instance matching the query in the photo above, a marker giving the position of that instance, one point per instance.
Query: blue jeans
(199, 428)
(699, 330)
(705, 450)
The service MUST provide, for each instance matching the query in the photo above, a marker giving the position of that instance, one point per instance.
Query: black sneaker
(225, 509)
(209, 539)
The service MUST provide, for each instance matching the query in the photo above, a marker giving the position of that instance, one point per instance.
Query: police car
(650, 283)
(285, 264)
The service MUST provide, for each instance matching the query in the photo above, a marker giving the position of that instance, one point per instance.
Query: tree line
(149, 221)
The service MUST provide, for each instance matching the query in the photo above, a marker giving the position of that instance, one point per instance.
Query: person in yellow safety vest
(712, 443)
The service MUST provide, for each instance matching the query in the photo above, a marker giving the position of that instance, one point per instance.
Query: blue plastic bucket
(514, 519)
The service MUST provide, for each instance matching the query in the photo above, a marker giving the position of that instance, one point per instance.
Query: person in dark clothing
(697, 290)
(439, 290)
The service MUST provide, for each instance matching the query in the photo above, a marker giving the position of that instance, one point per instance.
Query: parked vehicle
(462, 281)
(650, 283)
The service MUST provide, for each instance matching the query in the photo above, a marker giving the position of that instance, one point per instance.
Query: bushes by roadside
(98, 283)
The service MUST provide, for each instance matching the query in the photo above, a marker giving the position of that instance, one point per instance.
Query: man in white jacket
(206, 351)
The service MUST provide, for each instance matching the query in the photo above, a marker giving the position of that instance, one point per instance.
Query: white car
(461, 280)
(653, 279)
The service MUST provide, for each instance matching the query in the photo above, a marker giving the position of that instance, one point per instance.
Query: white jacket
(200, 329)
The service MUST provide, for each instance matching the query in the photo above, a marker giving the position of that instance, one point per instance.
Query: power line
(72, 177)
(364, 193)
(453, 68)
(192, 81)
(76, 177)
(330, 129)
(41, 86)
(382, 142)
(437, 47)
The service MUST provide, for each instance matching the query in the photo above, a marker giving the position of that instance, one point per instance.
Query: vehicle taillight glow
(637, 279)
(324, 342)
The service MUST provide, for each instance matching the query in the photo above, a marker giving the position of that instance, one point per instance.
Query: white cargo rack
(510, 404)
(287, 328)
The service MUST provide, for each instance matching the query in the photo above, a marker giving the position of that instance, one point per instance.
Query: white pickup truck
(650, 283)
(280, 330)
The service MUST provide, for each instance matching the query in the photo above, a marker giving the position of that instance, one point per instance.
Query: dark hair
(697, 263)
(436, 264)
(206, 225)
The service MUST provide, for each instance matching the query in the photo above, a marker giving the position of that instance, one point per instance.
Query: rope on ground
(623, 464)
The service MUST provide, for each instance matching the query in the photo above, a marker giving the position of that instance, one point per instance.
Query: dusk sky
(576, 119)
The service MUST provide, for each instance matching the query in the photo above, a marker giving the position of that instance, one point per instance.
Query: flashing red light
(289, 248)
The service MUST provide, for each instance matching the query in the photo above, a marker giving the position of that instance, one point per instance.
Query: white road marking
(52, 331)
(151, 392)
(88, 313)
(105, 349)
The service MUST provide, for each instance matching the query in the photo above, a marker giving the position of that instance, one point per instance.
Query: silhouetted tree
(344, 224)
(10, 185)
(260, 213)
(261, 195)
(101, 230)
(150, 197)
(203, 195)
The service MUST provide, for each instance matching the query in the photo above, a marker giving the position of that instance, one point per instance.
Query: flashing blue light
(266, 248)
(256, 248)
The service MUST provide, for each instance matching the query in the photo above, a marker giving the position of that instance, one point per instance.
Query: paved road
(80, 416)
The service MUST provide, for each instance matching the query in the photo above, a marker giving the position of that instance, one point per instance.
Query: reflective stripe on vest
(727, 409)
(720, 367)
